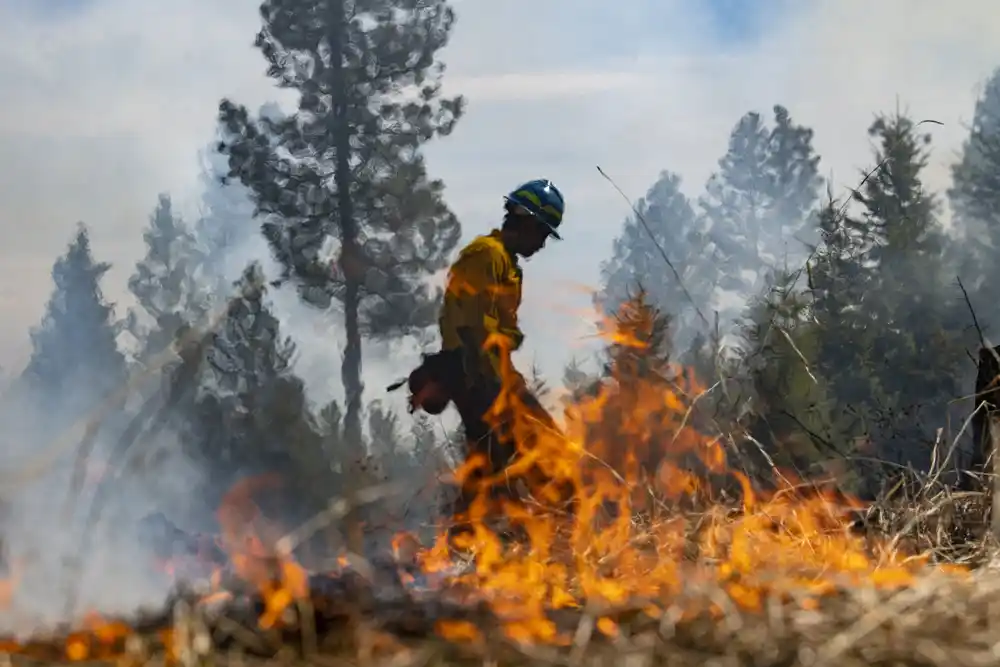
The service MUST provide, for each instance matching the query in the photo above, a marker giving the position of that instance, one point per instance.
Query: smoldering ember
(301, 435)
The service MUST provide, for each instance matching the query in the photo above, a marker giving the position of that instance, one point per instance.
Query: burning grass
(741, 586)
(936, 619)
(617, 547)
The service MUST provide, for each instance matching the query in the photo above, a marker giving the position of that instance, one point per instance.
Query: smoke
(60, 563)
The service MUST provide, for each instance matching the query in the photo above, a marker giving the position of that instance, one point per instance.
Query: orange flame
(279, 579)
(629, 449)
(248, 543)
(607, 528)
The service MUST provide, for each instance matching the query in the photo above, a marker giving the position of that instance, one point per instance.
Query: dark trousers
(486, 435)
(495, 443)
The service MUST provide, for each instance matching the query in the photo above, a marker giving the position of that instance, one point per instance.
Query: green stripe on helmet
(530, 196)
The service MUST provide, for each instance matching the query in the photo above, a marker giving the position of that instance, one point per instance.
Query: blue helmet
(541, 199)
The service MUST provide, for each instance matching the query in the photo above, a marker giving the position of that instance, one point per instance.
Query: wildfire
(610, 523)
(246, 554)
(627, 451)
(279, 579)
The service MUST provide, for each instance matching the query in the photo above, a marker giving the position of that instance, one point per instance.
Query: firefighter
(479, 327)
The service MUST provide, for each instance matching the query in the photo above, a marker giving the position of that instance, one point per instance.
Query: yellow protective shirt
(482, 296)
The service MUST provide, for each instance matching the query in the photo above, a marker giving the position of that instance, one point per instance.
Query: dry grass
(943, 619)
(939, 621)
(949, 526)
(349, 620)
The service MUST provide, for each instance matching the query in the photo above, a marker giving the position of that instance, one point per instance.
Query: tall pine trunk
(350, 369)
(340, 102)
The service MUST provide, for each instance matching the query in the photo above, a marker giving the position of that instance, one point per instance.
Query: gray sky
(106, 103)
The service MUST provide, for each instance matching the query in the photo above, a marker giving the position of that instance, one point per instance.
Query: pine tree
(919, 325)
(634, 423)
(794, 184)
(165, 283)
(642, 346)
(975, 200)
(75, 360)
(901, 214)
(837, 273)
(841, 279)
(347, 169)
(226, 227)
(677, 232)
(253, 410)
(249, 349)
(284, 430)
(758, 204)
(791, 416)
(840, 276)
(537, 384)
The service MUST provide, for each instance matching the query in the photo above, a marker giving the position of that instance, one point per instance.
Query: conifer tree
(252, 414)
(975, 204)
(633, 425)
(758, 204)
(791, 415)
(677, 232)
(909, 303)
(345, 171)
(75, 360)
(165, 283)
(840, 278)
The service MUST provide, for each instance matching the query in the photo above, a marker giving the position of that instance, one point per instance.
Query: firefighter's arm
(505, 327)
(503, 333)
(503, 336)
